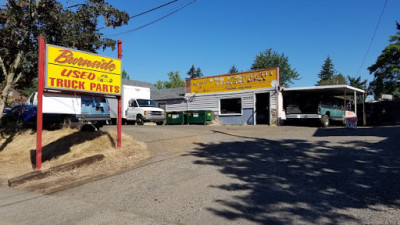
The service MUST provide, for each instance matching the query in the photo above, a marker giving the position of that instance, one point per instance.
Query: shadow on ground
(63, 145)
(308, 182)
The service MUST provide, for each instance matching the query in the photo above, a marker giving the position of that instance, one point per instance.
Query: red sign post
(39, 117)
(119, 123)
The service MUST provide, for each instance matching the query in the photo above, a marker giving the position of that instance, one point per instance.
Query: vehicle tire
(113, 121)
(325, 121)
(160, 123)
(344, 122)
(66, 122)
(139, 120)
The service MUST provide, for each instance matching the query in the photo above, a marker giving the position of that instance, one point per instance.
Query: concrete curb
(39, 174)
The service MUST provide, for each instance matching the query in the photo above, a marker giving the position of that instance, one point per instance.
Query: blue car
(24, 114)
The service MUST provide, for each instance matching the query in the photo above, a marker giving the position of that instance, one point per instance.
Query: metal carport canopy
(338, 90)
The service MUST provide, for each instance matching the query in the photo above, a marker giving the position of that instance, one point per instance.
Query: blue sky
(216, 34)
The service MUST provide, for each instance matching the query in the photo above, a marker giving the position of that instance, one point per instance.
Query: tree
(386, 69)
(334, 80)
(160, 84)
(194, 73)
(125, 75)
(356, 82)
(23, 21)
(198, 72)
(175, 81)
(327, 73)
(31, 89)
(233, 69)
(269, 59)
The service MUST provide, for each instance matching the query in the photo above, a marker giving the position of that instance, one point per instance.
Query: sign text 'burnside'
(73, 70)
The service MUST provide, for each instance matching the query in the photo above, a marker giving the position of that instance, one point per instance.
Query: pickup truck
(144, 110)
(325, 110)
(331, 112)
(136, 106)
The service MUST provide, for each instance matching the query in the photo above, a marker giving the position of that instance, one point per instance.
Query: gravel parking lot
(252, 175)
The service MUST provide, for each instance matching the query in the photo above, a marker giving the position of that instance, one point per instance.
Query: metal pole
(39, 115)
(364, 96)
(355, 102)
(119, 98)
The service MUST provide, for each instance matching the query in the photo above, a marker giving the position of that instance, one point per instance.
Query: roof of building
(170, 93)
(157, 94)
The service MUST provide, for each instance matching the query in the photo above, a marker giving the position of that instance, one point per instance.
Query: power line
(145, 12)
(373, 37)
(152, 9)
(154, 21)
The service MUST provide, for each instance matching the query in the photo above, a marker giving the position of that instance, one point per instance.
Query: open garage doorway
(262, 108)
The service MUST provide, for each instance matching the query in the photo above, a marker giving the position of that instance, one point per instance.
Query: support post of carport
(355, 102)
(364, 97)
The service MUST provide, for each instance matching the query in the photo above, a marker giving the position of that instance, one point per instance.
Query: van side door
(132, 110)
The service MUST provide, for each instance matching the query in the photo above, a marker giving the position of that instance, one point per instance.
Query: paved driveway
(241, 175)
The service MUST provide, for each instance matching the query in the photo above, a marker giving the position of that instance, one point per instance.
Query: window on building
(231, 106)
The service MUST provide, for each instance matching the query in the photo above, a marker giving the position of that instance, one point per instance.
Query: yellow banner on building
(235, 82)
(72, 70)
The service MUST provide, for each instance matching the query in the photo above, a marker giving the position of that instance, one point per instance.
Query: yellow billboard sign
(72, 70)
(266, 78)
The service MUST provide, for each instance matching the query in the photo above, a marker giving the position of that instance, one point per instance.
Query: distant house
(165, 98)
(15, 98)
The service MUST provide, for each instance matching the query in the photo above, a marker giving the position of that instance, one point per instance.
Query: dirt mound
(17, 156)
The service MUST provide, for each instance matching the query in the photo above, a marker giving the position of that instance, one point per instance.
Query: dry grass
(66, 145)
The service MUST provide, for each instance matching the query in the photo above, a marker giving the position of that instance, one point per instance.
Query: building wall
(211, 102)
(247, 118)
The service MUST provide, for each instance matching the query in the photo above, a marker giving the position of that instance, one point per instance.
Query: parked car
(310, 107)
(6, 110)
(26, 115)
(21, 114)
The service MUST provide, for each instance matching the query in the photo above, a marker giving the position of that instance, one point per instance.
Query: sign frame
(248, 80)
(79, 69)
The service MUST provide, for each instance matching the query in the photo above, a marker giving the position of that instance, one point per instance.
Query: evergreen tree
(198, 72)
(327, 72)
(233, 69)
(194, 73)
(125, 75)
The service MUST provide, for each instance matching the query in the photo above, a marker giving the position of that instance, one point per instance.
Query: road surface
(235, 175)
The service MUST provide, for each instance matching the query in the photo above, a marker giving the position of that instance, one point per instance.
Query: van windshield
(146, 103)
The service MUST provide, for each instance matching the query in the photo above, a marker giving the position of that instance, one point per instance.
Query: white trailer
(58, 104)
(74, 108)
(136, 106)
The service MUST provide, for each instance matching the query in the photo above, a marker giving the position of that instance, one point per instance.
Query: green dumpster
(209, 116)
(175, 118)
(199, 117)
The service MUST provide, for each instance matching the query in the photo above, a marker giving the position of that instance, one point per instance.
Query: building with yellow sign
(242, 98)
